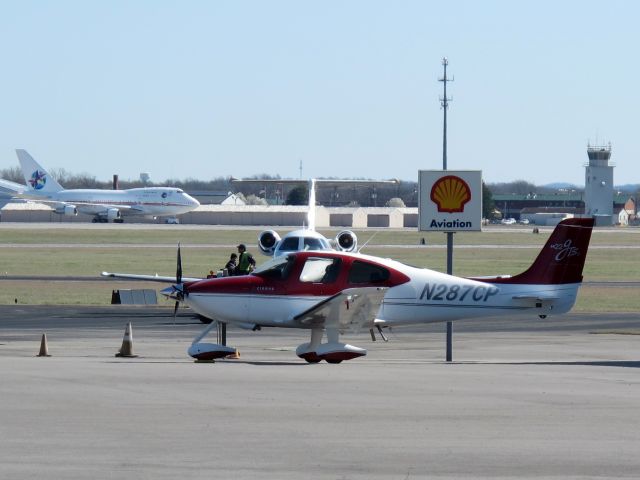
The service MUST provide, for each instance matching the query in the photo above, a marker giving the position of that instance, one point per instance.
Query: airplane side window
(314, 269)
(332, 271)
(289, 244)
(362, 272)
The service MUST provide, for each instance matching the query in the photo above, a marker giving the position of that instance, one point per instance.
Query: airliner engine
(268, 241)
(113, 214)
(68, 210)
(347, 241)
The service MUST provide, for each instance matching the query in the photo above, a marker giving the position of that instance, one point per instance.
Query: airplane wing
(352, 309)
(148, 278)
(12, 188)
(105, 206)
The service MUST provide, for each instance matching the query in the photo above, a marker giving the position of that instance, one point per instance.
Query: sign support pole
(444, 101)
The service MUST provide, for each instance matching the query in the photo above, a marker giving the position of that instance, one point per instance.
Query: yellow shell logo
(450, 194)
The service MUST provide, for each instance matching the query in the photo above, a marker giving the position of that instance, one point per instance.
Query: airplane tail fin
(562, 257)
(311, 215)
(36, 177)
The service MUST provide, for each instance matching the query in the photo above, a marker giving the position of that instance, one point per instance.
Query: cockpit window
(279, 268)
(311, 243)
(289, 244)
(362, 272)
(315, 270)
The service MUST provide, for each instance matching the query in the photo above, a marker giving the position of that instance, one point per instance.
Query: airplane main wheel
(94, 220)
(312, 360)
(333, 360)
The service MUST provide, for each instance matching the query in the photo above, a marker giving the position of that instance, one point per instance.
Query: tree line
(403, 194)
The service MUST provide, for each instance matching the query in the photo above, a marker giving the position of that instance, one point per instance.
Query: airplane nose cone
(169, 292)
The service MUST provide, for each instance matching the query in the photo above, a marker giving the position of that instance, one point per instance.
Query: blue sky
(203, 89)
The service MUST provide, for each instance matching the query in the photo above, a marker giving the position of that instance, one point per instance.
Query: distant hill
(562, 186)
(629, 187)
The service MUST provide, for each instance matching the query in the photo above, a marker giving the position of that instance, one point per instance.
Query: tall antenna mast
(300, 169)
(444, 102)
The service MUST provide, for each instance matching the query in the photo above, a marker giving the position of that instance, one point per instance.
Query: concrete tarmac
(553, 398)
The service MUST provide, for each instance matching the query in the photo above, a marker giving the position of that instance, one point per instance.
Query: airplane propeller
(178, 287)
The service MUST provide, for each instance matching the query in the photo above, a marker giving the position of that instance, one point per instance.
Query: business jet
(333, 292)
(104, 205)
(307, 238)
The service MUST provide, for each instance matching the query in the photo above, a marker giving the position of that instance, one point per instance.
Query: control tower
(598, 185)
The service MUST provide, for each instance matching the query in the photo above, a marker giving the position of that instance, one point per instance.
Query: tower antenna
(444, 102)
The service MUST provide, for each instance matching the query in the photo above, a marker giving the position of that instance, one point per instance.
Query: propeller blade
(175, 311)
(179, 267)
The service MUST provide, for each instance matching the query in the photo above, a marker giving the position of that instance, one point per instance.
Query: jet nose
(195, 203)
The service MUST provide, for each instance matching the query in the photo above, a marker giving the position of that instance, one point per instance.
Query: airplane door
(321, 274)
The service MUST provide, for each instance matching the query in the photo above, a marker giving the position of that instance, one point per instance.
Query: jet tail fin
(36, 177)
(562, 258)
(311, 215)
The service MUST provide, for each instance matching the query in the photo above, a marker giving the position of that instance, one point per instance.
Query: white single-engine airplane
(334, 292)
(104, 205)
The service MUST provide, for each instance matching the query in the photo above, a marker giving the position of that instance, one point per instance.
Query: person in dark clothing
(231, 265)
(246, 263)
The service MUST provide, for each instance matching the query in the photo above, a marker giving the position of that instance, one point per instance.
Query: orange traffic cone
(127, 344)
(234, 356)
(44, 349)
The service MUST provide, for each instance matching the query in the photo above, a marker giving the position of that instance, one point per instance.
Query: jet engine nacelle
(68, 210)
(346, 241)
(268, 241)
(113, 214)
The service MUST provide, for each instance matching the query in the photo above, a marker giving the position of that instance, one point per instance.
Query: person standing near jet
(231, 265)
(246, 262)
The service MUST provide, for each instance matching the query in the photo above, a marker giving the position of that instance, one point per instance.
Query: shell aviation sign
(450, 201)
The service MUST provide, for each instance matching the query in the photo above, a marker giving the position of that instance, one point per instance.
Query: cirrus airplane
(332, 292)
(104, 205)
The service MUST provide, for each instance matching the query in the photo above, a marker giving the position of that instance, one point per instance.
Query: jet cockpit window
(315, 269)
(362, 272)
(278, 268)
(289, 244)
(311, 243)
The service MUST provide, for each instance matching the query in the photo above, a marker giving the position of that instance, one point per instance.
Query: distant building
(537, 206)
(209, 197)
(511, 205)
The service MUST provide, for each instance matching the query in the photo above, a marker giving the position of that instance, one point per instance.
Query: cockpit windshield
(315, 243)
(289, 244)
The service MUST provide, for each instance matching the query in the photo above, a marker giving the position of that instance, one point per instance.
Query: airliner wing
(147, 278)
(350, 310)
(13, 188)
(61, 203)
